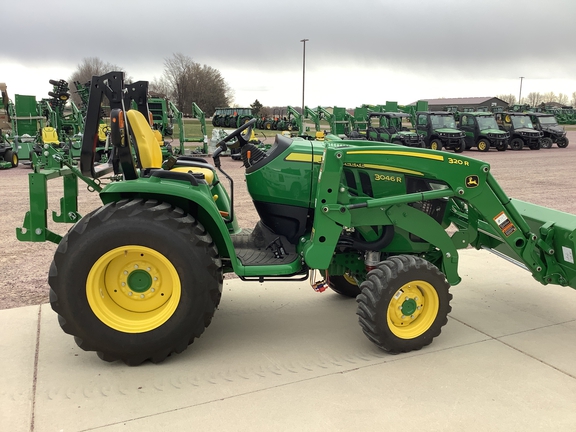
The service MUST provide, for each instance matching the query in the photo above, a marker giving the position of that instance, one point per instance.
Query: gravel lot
(544, 177)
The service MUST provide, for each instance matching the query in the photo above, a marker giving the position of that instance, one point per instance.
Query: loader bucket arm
(540, 239)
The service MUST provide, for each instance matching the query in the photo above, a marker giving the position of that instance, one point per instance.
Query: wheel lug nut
(130, 293)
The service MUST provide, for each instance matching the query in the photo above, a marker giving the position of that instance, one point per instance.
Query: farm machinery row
(454, 130)
(141, 277)
(27, 125)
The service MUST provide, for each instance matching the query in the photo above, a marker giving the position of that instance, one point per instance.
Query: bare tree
(189, 82)
(533, 99)
(159, 86)
(86, 69)
(563, 99)
(549, 97)
(510, 99)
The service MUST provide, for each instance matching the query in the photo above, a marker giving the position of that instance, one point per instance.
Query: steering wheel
(242, 140)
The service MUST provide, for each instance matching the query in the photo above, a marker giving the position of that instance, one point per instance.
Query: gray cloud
(464, 39)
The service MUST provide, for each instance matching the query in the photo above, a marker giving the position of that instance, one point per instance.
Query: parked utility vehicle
(553, 132)
(482, 131)
(439, 130)
(521, 130)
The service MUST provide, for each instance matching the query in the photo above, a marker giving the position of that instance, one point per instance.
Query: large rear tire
(404, 304)
(136, 280)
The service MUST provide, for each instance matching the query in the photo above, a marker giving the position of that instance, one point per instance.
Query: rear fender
(199, 201)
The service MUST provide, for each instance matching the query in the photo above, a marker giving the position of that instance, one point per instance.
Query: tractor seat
(150, 153)
(49, 135)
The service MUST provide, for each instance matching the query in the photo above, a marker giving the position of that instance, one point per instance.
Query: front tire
(436, 144)
(546, 143)
(563, 142)
(344, 285)
(483, 145)
(516, 144)
(136, 280)
(459, 148)
(404, 304)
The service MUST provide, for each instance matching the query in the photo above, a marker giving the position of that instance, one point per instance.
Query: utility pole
(520, 95)
(303, 71)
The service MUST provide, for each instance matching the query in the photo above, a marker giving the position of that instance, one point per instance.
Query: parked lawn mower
(140, 277)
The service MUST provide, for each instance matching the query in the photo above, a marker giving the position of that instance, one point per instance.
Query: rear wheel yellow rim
(133, 289)
(413, 309)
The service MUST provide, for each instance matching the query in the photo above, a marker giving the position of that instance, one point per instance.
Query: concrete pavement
(280, 357)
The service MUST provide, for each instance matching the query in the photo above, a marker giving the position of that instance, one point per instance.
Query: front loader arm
(477, 206)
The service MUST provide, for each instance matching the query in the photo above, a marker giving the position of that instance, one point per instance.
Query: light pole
(520, 95)
(303, 71)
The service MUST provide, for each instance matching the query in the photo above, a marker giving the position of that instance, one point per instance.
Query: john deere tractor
(140, 277)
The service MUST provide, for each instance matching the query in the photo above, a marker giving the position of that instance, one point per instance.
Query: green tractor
(482, 131)
(389, 129)
(140, 277)
(231, 117)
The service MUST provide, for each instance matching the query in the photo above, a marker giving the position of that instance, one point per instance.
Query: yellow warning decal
(303, 157)
(399, 153)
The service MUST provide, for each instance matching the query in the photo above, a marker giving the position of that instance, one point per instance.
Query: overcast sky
(359, 51)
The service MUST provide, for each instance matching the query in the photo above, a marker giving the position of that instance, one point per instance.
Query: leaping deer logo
(472, 181)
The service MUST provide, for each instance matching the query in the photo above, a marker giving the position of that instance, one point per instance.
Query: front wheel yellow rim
(133, 289)
(413, 309)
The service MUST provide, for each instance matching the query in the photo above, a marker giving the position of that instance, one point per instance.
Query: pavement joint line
(35, 375)
(499, 339)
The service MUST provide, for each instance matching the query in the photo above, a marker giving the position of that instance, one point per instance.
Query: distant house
(461, 103)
